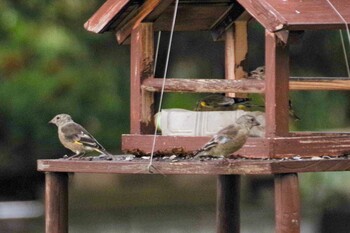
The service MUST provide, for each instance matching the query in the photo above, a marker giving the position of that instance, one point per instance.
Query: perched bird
(75, 138)
(258, 73)
(218, 102)
(228, 139)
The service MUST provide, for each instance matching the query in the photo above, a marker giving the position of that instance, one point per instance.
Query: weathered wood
(56, 202)
(276, 15)
(236, 49)
(242, 86)
(141, 104)
(182, 145)
(320, 85)
(204, 85)
(194, 167)
(147, 8)
(279, 147)
(228, 204)
(102, 18)
(276, 86)
(201, 17)
(287, 203)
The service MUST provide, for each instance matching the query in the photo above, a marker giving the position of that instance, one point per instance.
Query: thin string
(344, 51)
(156, 55)
(341, 35)
(150, 165)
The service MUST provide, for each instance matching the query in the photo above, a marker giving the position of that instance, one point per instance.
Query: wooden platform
(190, 167)
(295, 144)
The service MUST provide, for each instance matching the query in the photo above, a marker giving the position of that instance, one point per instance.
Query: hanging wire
(156, 55)
(341, 35)
(150, 165)
(344, 51)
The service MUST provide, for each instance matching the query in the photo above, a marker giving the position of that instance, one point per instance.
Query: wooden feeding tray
(182, 166)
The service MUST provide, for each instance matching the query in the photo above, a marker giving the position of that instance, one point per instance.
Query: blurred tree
(48, 65)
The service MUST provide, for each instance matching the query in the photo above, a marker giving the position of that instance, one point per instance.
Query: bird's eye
(57, 118)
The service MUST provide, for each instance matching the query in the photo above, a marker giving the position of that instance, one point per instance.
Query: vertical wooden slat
(141, 102)
(228, 204)
(276, 86)
(287, 203)
(236, 48)
(56, 202)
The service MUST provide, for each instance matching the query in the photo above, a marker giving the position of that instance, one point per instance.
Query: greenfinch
(229, 139)
(75, 138)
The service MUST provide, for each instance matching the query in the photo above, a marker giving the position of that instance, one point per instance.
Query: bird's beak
(51, 122)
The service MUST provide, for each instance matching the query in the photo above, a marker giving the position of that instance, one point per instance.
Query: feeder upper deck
(274, 15)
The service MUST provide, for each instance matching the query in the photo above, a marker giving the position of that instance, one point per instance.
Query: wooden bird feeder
(134, 22)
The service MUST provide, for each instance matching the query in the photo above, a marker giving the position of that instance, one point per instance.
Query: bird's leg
(78, 154)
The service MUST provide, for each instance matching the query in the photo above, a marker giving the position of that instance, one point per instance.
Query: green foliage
(48, 65)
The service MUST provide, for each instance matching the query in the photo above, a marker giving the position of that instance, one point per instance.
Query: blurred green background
(49, 64)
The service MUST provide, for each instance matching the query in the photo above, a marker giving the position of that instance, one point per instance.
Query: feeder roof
(276, 15)
(193, 15)
(216, 15)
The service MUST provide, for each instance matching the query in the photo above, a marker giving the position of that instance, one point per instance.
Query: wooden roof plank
(144, 11)
(105, 15)
(276, 15)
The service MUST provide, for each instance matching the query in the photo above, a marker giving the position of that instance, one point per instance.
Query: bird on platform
(218, 102)
(75, 138)
(229, 139)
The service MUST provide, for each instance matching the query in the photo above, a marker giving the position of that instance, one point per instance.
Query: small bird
(228, 139)
(75, 138)
(217, 102)
(258, 73)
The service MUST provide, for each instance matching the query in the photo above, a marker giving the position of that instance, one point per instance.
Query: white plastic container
(181, 122)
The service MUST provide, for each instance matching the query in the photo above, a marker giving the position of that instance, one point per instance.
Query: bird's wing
(216, 139)
(75, 132)
(231, 130)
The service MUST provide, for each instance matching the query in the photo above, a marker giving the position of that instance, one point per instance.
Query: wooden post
(236, 49)
(276, 86)
(56, 202)
(287, 203)
(142, 61)
(228, 204)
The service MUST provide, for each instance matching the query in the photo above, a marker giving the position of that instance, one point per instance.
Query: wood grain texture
(204, 85)
(56, 202)
(276, 86)
(308, 145)
(183, 145)
(287, 203)
(236, 49)
(102, 18)
(146, 8)
(276, 15)
(141, 104)
(191, 17)
(228, 204)
(242, 86)
(191, 167)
